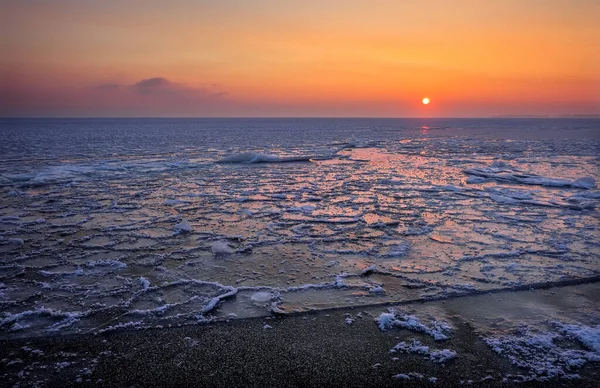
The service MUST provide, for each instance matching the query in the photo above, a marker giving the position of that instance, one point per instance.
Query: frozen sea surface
(109, 224)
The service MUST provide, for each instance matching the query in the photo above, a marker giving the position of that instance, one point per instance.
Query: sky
(315, 58)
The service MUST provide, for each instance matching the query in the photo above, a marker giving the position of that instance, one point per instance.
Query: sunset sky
(299, 58)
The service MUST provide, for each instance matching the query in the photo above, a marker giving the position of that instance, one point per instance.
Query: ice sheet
(146, 226)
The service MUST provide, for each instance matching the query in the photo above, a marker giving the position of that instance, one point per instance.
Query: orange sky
(309, 58)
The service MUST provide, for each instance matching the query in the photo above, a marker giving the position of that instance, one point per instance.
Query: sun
(426, 101)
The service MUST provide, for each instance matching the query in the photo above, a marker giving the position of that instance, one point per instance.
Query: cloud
(156, 96)
(153, 85)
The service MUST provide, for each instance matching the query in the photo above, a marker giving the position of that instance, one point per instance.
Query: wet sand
(307, 350)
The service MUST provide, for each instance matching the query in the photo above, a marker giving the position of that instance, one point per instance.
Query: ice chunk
(587, 335)
(231, 291)
(183, 227)
(105, 263)
(252, 157)
(398, 250)
(499, 164)
(220, 248)
(19, 177)
(415, 346)
(9, 218)
(369, 270)
(585, 183)
(442, 356)
(145, 283)
(476, 179)
(377, 290)
(511, 176)
(547, 354)
(385, 321)
(16, 241)
(439, 330)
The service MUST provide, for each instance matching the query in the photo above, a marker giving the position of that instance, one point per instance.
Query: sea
(123, 224)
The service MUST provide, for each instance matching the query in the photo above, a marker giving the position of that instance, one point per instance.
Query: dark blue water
(24, 139)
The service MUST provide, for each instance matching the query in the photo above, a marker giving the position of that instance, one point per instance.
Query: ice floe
(502, 172)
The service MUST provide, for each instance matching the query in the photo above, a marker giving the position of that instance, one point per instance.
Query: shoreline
(311, 349)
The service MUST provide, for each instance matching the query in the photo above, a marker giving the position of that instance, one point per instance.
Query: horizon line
(567, 116)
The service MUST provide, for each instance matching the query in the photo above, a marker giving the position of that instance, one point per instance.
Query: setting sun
(426, 101)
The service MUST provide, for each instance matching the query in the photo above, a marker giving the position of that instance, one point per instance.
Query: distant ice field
(115, 223)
